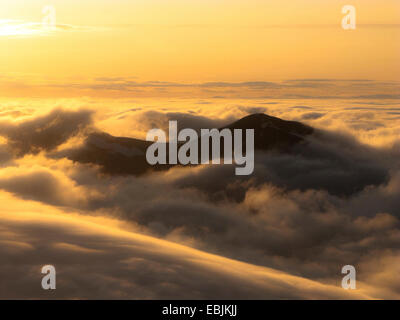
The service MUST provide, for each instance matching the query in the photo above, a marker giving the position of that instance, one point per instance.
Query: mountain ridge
(122, 155)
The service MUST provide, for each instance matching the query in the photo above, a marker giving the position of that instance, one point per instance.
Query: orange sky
(195, 41)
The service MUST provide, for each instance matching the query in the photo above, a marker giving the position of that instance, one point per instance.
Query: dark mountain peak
(271, 132)
(261, 121)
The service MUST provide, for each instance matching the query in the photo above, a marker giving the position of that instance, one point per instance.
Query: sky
(119, 68)
(200, 41)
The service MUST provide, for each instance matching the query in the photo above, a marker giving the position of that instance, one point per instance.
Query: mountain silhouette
(273, 133)
(121, 155)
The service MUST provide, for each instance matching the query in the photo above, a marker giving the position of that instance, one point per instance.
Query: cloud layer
(97, 262)
(198, 232)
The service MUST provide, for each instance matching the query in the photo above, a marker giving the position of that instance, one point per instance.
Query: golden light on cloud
(84, 231)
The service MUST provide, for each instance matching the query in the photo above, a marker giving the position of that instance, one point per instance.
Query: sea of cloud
(202, 232)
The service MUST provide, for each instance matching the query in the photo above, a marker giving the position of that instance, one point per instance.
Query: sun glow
(21, 28)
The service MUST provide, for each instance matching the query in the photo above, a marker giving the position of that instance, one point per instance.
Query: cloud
(44, 133)
(309, 233)
(154, 119)
(6, 156)
(94, 261)
(310, 89)
(251, 110)
(330, 202)
(312, 115)
(44, 185)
